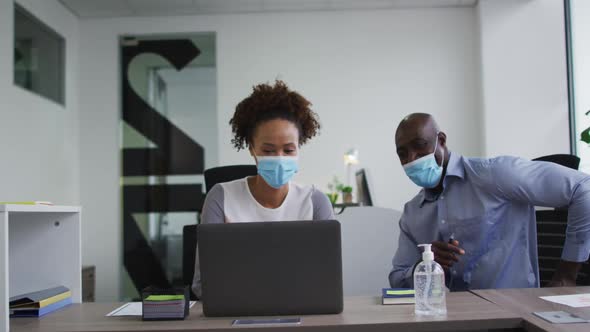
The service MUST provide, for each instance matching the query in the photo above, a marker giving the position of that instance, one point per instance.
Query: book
(161, 304)
(38, 312)
(397, 296)
(40, 298)
(27, 203)
(44, 302)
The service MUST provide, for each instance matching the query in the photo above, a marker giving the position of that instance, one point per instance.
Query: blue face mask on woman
(425, 172)
(277, 170)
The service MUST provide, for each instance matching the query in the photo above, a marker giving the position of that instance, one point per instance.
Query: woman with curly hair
(272, 123)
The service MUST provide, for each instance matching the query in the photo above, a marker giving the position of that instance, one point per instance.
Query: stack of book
(160, 307)
(39, 303)
(27, 203)
(398, 296)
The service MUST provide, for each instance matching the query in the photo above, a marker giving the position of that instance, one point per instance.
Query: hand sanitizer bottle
(429, 285)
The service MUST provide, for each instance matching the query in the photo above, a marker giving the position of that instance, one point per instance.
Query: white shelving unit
(40, 247)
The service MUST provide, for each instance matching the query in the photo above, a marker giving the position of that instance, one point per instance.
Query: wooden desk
(465, 312)
(526, 301)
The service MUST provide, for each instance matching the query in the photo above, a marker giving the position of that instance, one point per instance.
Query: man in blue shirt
(479, 213)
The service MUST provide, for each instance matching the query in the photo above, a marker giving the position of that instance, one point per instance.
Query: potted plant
(346, 194)
(333, 197)
(334, 188)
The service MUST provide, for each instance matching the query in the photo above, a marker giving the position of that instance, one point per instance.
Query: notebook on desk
(270, 268)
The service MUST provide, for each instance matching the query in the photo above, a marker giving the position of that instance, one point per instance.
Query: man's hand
(565, 274)
(446, 254)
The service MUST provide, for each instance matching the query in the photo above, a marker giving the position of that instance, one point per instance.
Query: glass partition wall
(578, 34)
(169, 137)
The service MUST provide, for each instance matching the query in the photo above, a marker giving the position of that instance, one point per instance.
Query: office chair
(189, 248)
(189, 232)
(551, 226)
(221, 174)
(566, 160)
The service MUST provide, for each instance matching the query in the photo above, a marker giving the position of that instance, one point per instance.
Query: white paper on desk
(575, 300)
(133, 309)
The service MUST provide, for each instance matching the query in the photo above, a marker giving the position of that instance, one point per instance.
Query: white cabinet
(369, 241)
(39, 248)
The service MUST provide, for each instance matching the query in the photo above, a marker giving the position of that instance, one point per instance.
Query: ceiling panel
(155, 7)
(103, 8)
(118, 8)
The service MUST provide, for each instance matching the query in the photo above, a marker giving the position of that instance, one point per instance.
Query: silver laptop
(270, 268)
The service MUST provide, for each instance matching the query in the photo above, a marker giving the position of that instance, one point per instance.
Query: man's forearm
(565, 274)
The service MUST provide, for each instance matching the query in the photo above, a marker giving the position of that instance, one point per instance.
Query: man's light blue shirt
(488, 206)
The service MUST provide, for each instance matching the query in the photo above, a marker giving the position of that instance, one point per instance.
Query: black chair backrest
(567, 160)
(551, 226)
(189, 232)
(189, 248)
(221, 174)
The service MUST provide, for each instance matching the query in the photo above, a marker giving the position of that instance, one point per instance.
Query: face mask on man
(277, 170)
(425, 172)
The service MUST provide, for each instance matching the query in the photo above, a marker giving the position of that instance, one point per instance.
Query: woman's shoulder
(235, 185)
(302, 189)
(227, 190)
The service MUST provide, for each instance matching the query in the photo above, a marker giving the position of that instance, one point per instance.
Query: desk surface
(526, 301)
(465, 312)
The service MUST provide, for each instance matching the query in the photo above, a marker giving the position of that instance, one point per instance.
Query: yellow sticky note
(164, 297)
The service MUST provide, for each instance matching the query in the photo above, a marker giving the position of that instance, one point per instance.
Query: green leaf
(585, 136)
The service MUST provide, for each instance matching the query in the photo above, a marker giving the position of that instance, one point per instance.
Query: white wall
(40, 159)
(362, 79)
(363, 71)
(100, 162)
(524, 77)
(376, 238)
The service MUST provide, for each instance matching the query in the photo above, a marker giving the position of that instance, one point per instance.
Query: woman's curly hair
(269, 102)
